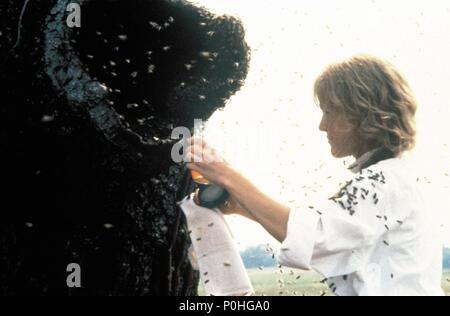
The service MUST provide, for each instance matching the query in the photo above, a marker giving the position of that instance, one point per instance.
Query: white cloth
(375, 238)
(215, 254)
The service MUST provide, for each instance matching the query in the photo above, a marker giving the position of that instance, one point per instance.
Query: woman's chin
(333, 152)
(336, 153)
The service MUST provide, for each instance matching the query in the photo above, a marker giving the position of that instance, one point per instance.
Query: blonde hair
(375, 97)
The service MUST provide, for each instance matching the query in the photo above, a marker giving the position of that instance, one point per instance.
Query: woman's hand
(205, 160)
(232, 207)
(215, 169)
(272, 215)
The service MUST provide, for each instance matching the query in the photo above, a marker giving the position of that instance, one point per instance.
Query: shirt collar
(356, 166)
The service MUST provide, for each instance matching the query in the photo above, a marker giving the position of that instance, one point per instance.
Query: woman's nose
(322, 125)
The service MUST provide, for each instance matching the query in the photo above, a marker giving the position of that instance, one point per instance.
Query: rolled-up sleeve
(333, 236)
(302, 226)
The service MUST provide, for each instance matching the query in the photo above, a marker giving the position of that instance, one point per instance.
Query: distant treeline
(446, 259)
(263, 256)
(259, 256)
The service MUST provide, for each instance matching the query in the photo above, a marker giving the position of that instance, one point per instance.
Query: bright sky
(269, 130)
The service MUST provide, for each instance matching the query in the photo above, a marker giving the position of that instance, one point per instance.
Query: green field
(446, 283)
(276, 282)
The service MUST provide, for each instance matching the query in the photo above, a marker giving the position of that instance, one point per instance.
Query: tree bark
(85, 124)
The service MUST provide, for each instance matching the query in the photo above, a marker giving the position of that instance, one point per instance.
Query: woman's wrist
(231, 180)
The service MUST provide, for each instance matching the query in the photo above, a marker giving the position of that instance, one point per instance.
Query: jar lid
(212, 196)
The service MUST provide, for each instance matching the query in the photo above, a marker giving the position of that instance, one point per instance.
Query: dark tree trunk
(86, 116)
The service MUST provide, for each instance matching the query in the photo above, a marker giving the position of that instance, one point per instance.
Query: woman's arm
(272, 215)
(232, 207)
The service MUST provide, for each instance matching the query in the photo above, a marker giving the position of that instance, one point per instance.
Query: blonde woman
(376, 235)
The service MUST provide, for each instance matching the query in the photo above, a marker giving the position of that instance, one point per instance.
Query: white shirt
(377, 238)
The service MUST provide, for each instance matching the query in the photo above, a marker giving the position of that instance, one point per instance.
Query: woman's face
(340, 133)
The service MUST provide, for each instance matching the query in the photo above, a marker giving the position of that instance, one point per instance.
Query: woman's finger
(195, 140)
(194, 167)
(209, 157)
(203, 154)
(194, 150)
(199, 142)
(193, 158)
(197, 148)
